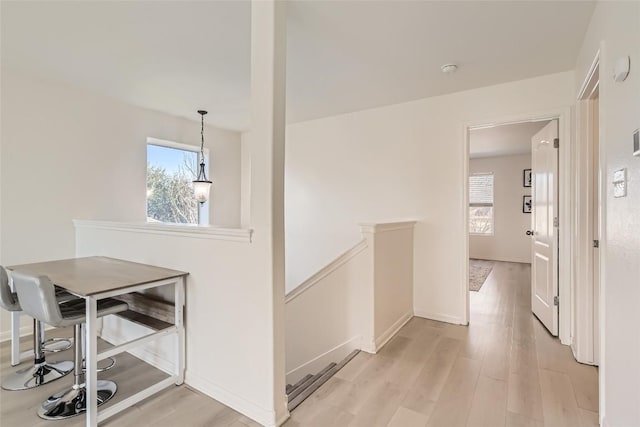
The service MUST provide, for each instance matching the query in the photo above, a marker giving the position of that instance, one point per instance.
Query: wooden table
(95, 278)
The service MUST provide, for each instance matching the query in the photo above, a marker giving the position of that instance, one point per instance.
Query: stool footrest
(56, 345)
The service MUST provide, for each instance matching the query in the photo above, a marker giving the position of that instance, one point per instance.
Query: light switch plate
(620, 183)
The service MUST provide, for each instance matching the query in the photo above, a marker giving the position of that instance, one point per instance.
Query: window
(481, 203)
(171, 167)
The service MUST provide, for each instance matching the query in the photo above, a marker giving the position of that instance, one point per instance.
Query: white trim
(24, 331)
(283, 418)
(376, 345)
(563, 115)
(372, 227)
(265, 417)
(177, 145)
(466, 313)
(602, 369)
(182, 230)
(393, 329)
(142, 353)
(316, 364)
(588, 187)
(591, 80)
(326, 270)
(440, 317)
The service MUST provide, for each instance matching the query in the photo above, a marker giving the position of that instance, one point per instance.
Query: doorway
(564, 208)
(500, 203)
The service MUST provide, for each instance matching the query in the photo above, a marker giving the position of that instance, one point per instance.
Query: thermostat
(620, 183)
(636, 143)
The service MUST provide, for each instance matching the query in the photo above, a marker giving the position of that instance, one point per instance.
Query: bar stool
(37, 297)
(41, 372)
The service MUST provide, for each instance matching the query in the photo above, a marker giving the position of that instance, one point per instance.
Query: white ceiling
(179, 56)
(504, 140)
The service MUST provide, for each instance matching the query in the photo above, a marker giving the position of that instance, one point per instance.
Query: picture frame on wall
(526, 178)
(526, 204)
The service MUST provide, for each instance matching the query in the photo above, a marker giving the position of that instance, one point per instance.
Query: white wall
(392, 245)
(67, 154)
(226, 332)
(358, 301)
(509, 242)
(331, 311)
(401, 161)
(615, 29)
(88, 157)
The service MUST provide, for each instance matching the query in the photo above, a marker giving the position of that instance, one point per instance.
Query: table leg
(15, 338)
(91, 361)
(179, 321)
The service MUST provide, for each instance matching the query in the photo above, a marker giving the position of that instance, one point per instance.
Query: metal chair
(42, 372)
(37, 298)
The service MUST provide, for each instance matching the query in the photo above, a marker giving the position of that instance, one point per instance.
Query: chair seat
(64, 296)
(74, 312)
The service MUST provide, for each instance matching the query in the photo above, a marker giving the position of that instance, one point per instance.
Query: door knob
(529, 232)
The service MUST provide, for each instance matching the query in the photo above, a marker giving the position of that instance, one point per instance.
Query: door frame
(586, 89)
(584, 344)
(565, 231)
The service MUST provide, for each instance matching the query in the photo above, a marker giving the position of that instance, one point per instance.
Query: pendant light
(201, 185)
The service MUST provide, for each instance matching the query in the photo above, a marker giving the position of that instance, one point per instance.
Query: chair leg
(42, 372)
(72, 401)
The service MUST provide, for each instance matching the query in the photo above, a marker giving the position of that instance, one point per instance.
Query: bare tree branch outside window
(170, 195)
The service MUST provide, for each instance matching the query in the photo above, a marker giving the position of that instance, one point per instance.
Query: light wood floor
(173, 407)
(502, 370)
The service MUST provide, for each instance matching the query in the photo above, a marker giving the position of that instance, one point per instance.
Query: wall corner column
(265, 146)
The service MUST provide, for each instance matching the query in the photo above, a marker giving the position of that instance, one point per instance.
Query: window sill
(186, 230)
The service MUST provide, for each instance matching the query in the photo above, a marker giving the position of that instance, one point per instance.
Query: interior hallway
(504, 369)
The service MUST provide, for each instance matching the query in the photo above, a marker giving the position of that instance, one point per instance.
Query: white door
(544, 214)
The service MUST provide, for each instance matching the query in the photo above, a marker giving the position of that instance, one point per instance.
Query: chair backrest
(37, 296)
(8, 300)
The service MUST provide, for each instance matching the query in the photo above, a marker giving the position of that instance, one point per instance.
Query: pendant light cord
(202, 138)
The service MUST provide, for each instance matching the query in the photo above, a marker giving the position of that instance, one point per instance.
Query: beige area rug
(479, 269)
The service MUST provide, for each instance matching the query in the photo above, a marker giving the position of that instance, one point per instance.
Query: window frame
(492, 205)
(203, 208)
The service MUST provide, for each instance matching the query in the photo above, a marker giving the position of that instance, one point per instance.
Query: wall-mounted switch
(620, 183)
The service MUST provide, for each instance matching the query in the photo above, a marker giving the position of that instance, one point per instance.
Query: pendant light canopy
(201, 185)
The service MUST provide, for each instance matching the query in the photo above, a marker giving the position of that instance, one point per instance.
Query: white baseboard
(439, 317)
(389, 333)
(375, 346)
(240, 404)
(24, 331)
(246, 407)
(282, 419)
(318, 363)
(142, 353)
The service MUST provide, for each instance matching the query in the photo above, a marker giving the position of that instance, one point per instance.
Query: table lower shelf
(144, 320)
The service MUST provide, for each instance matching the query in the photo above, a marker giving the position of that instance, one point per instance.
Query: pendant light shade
(201, 185)
(201, 189)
